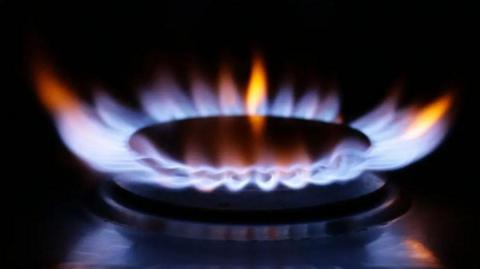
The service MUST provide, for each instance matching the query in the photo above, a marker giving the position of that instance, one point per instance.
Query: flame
(229, 99)
(419, 251)
(256, 95)
(428, 116)
(53, 92)
(257, 87)
(99, 133)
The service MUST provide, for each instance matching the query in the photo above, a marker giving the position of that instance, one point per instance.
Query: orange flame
(256, 93)
(419, 251)
(428, 116)
(257, 86)
(227, 88)
(53, 92)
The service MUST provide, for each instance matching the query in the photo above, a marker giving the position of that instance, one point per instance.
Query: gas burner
(214, 165)
(251, 214)
(363, 205)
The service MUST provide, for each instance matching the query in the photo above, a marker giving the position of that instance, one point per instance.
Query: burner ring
(251, 198)
(321, 219)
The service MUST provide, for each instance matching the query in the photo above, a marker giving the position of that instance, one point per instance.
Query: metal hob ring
(352, 207)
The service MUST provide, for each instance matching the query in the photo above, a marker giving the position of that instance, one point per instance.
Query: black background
(365, 47)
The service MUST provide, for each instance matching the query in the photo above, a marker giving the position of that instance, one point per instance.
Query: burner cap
(243, 141)
(239, 152)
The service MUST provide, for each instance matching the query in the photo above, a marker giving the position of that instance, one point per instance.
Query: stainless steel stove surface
(82, 240)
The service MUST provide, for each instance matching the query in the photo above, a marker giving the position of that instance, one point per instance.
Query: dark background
(364, 47)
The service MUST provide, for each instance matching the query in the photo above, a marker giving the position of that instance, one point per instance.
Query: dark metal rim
(386, 198)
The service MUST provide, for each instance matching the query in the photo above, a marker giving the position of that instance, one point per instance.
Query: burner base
(322, 218)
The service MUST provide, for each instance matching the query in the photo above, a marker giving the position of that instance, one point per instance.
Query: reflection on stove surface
(103, 245)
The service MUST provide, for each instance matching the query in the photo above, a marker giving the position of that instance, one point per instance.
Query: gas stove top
(210, 134)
